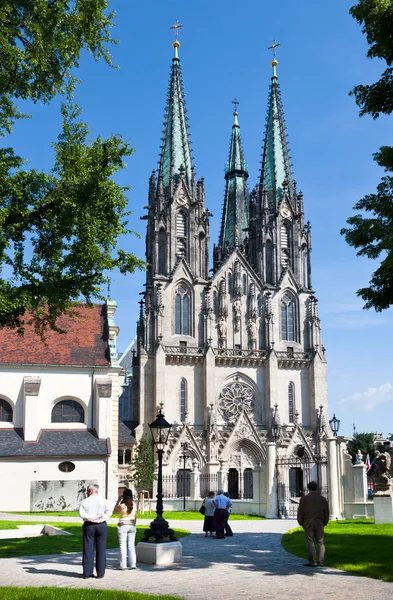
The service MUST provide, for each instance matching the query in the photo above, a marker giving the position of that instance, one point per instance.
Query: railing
(239, 352)
(208, 482)
(177, 486)
(293, 355)
(188, 350)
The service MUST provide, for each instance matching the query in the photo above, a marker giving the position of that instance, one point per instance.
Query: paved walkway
(250, 565)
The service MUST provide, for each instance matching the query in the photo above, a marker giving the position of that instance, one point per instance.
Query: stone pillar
(360, 482)
(32, 417)
(194, 482)
(256, 484)
(383, 508)
(334, 506)
(103, 408)
(271, 483)
(222, 477)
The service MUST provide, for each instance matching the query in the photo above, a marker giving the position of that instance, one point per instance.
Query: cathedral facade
(234, 355)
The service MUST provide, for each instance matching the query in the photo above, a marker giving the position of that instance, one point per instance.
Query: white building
(59, 412)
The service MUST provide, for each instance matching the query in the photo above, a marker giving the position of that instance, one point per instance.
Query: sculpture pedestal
(383, 509)
(165, 553)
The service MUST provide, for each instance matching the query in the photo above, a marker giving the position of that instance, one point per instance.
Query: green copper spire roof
(276, 164)
(235, 210)
(176, 149)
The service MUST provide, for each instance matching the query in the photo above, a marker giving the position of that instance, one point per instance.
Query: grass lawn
(36, 546)
(169, 515)
(357, 546)
(54, 593)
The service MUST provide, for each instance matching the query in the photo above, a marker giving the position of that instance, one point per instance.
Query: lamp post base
(164, 553)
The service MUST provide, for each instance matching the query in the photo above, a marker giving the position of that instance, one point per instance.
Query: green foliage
(372, 235)
(41, 42)
(363, 442)
(357, 546)
(56, 593)
(58, 231)
(142, 467)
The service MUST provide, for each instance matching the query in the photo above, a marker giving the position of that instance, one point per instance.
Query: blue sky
(224, 54)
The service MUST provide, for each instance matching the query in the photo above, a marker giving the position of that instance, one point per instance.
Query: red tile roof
(85, 343)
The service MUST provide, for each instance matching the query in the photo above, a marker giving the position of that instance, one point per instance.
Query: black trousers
(227, 527)
(94, 534)
(219, 521)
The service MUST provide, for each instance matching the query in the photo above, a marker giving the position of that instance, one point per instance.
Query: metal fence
(177, 486)
(208, 482)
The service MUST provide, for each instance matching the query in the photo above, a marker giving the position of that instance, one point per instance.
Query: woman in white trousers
(127, 530)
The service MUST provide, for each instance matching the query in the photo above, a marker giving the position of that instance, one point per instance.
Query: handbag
(202, 510)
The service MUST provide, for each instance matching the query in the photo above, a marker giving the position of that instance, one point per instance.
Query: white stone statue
(252, 333)
(222, 331)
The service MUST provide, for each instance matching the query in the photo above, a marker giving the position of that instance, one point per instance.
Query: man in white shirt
(221, 505)
(95, 512)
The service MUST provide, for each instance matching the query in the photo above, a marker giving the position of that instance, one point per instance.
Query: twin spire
(176, 156)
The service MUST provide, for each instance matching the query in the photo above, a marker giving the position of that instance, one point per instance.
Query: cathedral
(232, 354)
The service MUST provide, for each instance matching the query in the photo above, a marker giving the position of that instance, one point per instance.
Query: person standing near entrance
(221, 504)
(313, 516)
(95, 512)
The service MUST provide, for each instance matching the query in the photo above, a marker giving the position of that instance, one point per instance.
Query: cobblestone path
(250, 565)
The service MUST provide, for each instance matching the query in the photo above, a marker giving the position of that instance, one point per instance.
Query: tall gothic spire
(276, 164)
(235, 210)
(176, 149)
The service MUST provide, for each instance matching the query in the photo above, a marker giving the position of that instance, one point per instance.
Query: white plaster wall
(16, 476)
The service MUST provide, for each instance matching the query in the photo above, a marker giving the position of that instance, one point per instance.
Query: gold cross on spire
(176, 26)
(235, 103)
(273, 47)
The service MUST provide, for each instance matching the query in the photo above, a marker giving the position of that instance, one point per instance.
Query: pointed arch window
(162, 252)
(269, 261)
(181, 234)
(215, 303)
(291, 402)
(183, 400)
(182, 311)
(288, 318)
(229, 283)
(244, 290)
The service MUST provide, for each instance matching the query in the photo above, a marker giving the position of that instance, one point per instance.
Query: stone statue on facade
(383, 483)
(237, 313)
(252, 333)
(222, 332)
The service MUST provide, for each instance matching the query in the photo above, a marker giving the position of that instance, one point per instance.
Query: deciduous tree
(371, 230)
(59, 230)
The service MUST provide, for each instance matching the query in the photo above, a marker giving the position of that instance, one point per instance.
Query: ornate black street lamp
(159, 528)
(335, 425)
(185, 455)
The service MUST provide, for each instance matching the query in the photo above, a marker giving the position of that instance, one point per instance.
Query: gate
(293, 475)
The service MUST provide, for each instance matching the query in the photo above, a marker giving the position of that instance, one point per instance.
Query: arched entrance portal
(233, 484)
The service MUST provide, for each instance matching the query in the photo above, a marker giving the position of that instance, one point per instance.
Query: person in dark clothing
(313, 516)
(227, 527)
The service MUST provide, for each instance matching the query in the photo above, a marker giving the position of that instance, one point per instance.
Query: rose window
(234, 398)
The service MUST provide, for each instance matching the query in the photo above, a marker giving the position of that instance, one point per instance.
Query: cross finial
(273, 47)
(176, 26)
(235, 103)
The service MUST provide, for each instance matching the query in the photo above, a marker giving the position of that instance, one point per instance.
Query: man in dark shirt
(313, 516)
